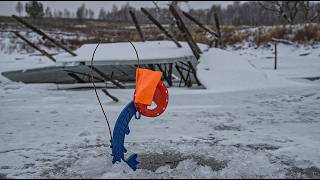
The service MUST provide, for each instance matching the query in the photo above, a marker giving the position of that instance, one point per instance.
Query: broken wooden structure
(219, 42)
(134, 19)
(169, 35)
(118, 69)
(44, 35)
(216, 35)
(35, 46)
(193, 46)
(118, 72)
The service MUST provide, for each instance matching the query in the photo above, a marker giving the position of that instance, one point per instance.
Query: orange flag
(146, 84)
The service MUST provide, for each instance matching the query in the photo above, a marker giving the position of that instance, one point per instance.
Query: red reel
(160, 98)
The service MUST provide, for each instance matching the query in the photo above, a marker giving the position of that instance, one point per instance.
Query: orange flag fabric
(146, 84)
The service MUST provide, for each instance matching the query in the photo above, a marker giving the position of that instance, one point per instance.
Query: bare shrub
(233, 35)
(310, 32)
(279, 32)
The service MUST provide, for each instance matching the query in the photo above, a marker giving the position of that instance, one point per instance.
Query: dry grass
(301, 34)
(92, 31)
(232, 35)
(310, 32)
(279, 32)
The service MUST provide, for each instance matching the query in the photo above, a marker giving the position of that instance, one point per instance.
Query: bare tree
(82, 12)
(60, 14)
(244, 13)
(102, 14)
(48, 12)
(288, 10)
(310, 15)
(172, 20)
(34, 9)
(91, 14)
(66, 13)
(158, 9)
(19, 8)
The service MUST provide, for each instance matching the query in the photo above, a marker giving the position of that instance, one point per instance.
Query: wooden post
(189, 83)
(84, 74)
(194, 73)
(161, 27)
(76, 77)
(43, 34)
(165, 75)
(170, 73)
(133, 16)
(275, 55)
(107, 78)
(151, 66)
(200, 24)
(120, 70)
(35, 47)
(181, 75)
(186, 34)
(115, 99)
(194, 47)
(216, 19)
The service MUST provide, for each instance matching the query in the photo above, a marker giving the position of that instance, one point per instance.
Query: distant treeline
(252, 13)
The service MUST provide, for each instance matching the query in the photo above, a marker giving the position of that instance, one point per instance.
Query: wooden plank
(107, 78)
(43, 34)
(161, 27)
(185, 33)
(35, 47)
(170, 74)
(84, 74)
(190, 66)
(181, 74)
(183, 26)
(164, 74)
(188, 78)
(76, 77)
(185, 64)
(185, 69)
(151, 66)
(123, 72)
(216, 19)
(199, 24)
(194, 73)
(284, 41)
(133, 16)
(115, 99)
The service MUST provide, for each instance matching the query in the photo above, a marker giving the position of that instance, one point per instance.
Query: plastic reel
(160, 98)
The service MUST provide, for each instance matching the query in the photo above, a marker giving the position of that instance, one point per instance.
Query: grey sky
(8, 7)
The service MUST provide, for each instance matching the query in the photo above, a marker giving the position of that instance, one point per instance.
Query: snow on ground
(221, 71)
(233, 132)
(293, 61)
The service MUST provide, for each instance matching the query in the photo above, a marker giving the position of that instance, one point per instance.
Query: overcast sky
(8, 7)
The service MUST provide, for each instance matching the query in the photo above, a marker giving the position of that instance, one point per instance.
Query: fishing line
(94, 86)
(136, 53)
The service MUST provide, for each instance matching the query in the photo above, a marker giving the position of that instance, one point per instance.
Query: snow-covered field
(251, 122)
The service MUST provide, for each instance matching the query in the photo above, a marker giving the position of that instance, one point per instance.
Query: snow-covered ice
(123, 51)
(221, 71)
(256, 123)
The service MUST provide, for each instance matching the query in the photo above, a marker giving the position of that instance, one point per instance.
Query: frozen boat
(115, 62)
